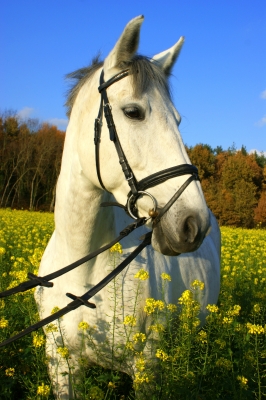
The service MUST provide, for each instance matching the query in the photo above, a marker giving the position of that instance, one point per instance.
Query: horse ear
(126, 45)
(167, 58)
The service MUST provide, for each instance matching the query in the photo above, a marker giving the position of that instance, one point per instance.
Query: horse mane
(143, 71)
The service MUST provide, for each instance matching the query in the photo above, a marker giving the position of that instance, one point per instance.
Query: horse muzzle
(185, 236)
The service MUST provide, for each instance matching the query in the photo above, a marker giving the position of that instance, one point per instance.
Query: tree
(237, 189)
(30, 159)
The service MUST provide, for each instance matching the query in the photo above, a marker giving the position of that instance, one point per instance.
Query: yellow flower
(129, 345)
(256, 308)
(10, 371)
(55, 309)
(140, 363)
(142, 275)
(139, 337)
(83, 326)
(130, 320)
(202, 337)
(197, 284)
(234, 312)
(116, 248)
(63, 351)
(156, 328)
(171, 307)
(43, 390)
(51, 328)
(166, 277)
(255, 329)
(162, 355)
(242, 381)
(152, 305)
(212, 308)
(141, 378)
(160, 304)
(2, 251)
(3, 323)
(186, 297)
(227, 320)
(38, 340)
(111, 385)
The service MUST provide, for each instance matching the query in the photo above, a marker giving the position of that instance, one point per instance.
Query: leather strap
(44, 281)
(82, 300)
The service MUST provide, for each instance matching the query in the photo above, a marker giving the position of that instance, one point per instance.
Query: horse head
(147, 126)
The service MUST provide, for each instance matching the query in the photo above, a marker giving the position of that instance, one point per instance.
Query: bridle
(137, 189)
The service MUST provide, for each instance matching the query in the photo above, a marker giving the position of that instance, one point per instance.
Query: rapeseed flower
(38, 340)
(256, 308)
(202, 337)
(63, 351)
(43, 390)
(196, 284)
(166, 277)
(161, 355)
(130, 320)
(139, 337)
(157, 328)
(186, 297)
(3, 323)
(243, 381)
(10, 372)
(152, 305)
(116, 248)
(212, 308)
(51, 328)
(255, 329)
(171, 307)
(2, 251)
(140, 378)
(140, 362)
(55, 310)
(142, 275)
(83, 326)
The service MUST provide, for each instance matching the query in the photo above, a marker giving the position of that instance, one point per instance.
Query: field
(226, 359)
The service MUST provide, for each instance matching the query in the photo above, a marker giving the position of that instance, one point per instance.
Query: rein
(137, 189)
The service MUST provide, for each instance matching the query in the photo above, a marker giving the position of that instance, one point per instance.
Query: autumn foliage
(234, 184)
(233, 181)
(30, 159)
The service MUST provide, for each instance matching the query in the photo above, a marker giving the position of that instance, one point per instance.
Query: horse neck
(81, 226)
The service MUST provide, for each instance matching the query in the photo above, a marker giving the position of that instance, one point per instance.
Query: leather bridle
(137, 188)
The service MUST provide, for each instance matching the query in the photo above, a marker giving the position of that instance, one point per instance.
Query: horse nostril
(190, 230)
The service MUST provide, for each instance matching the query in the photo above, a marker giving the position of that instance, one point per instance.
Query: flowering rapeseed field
(226, 359)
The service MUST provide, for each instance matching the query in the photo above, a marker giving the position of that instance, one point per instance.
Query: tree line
(30, 159)
(233, 181)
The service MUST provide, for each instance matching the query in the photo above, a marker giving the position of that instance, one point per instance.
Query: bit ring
(131, 204)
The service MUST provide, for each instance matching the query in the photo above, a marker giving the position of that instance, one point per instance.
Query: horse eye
(133, 113)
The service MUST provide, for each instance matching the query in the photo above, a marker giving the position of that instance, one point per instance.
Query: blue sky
(218, 83)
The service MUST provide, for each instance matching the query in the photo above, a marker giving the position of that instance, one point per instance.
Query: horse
(185, 241)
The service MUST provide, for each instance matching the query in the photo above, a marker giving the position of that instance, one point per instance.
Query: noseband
(137, 188)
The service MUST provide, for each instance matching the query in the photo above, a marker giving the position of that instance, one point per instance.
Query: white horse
(147, 125)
